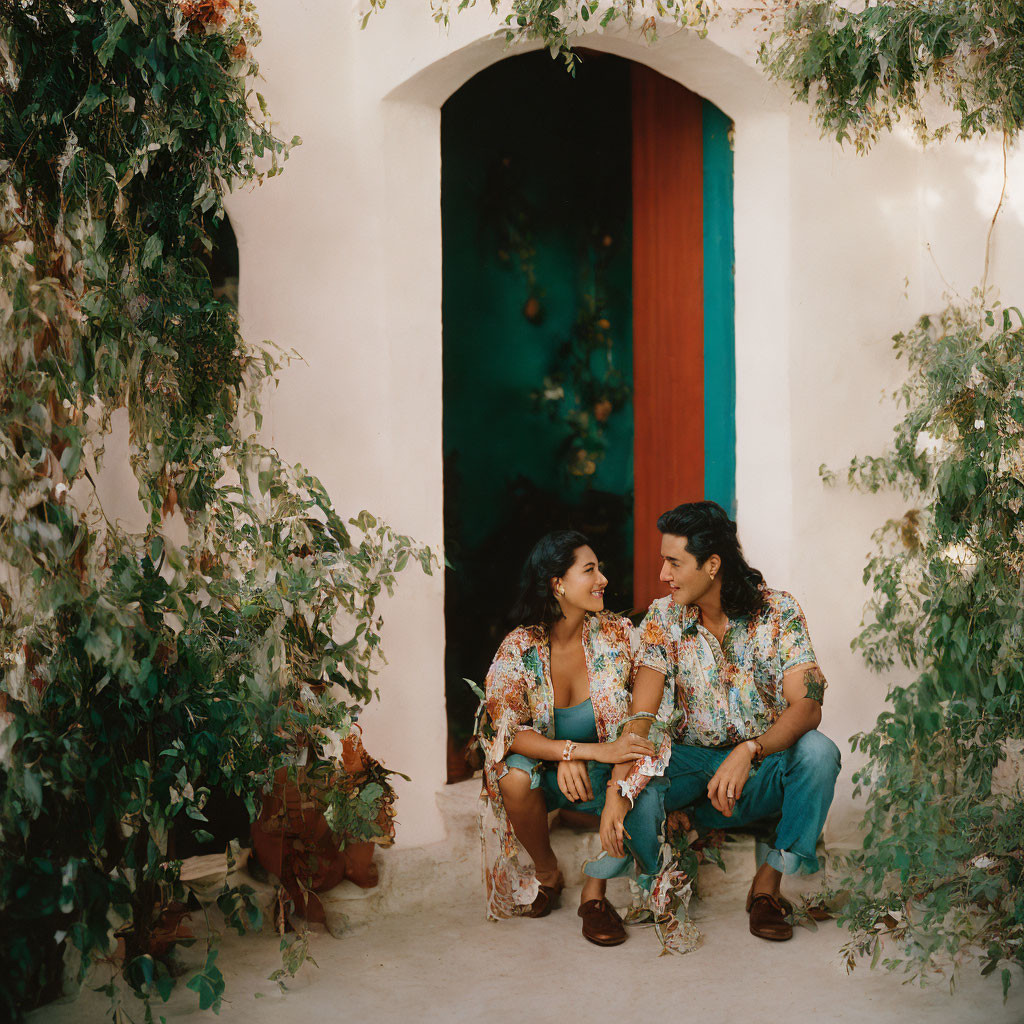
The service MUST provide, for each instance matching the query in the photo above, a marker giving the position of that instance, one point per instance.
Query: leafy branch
(866, 69)
(141, 677)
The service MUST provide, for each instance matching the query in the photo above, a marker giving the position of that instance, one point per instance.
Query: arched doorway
(588, 330)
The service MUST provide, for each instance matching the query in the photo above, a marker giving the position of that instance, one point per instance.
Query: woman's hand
(628, 747)
(574, 781)
(616, 807)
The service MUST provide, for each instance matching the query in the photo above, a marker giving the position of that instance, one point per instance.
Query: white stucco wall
(341, 259)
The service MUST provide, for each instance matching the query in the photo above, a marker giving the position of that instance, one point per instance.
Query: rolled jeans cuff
(784, 861)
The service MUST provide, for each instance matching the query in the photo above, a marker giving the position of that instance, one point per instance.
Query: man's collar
(689, 615)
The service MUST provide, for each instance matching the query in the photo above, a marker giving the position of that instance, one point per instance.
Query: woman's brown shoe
(546, 899)
(601, 924)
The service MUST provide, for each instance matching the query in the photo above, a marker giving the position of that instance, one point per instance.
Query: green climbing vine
(143, 676)
(939, 876)
(584, 387)
(865, 68)
(938, 879)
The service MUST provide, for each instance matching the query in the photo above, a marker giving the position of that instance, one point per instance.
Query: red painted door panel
(668, 313)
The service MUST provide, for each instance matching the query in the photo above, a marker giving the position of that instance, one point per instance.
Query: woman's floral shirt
(732, 691)
(519, 695)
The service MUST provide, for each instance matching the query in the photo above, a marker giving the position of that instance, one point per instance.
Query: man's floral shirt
(519, 695)
(732, 691)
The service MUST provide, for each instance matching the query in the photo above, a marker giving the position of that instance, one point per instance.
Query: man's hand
(574, 781)
(628, 747)
(616, 807)
(726, 785)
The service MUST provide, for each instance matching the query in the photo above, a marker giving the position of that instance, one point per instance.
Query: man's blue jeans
(794, 786)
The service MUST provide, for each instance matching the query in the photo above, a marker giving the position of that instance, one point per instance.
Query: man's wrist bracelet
(756, 751)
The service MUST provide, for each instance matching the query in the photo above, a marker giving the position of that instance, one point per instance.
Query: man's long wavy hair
(709, 531)
(552, 555)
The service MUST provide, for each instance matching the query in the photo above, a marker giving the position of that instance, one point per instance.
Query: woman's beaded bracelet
(567, 751)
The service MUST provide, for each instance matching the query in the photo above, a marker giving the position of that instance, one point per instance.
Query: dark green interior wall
(566, 144)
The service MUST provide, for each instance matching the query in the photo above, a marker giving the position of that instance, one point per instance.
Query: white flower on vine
(963, 556)
(1011, 461)
(930, 444)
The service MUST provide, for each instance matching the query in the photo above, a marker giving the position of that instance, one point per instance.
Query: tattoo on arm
(815, 683)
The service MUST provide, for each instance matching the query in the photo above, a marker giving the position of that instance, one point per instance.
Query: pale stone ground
(440, 960)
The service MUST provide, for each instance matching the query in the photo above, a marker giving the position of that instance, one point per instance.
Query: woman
(557, 696)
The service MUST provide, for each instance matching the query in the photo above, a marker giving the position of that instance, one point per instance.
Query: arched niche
(222, 260)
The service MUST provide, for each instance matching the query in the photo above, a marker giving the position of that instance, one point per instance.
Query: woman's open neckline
(573, 707)
(586, 661)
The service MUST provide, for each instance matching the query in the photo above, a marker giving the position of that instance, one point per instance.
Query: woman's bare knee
(515, 787)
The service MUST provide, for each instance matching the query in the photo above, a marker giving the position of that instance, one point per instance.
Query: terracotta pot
(359, 866)
(292, 840)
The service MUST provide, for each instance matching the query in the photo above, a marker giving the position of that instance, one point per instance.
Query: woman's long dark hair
(709, 531)
(552, 555)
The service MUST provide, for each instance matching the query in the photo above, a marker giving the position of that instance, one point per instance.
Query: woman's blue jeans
(643, 822)
(794, 786)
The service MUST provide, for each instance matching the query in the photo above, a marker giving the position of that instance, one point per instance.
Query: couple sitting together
(721, 676)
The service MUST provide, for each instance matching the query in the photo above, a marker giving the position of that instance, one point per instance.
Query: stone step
(413, 879)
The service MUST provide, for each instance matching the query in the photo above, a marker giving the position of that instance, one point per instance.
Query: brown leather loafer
(601, 923)
(787, 907)
(546, 899)
(768, 918)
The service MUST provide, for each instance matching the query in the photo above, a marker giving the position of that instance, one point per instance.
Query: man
(738, 657)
